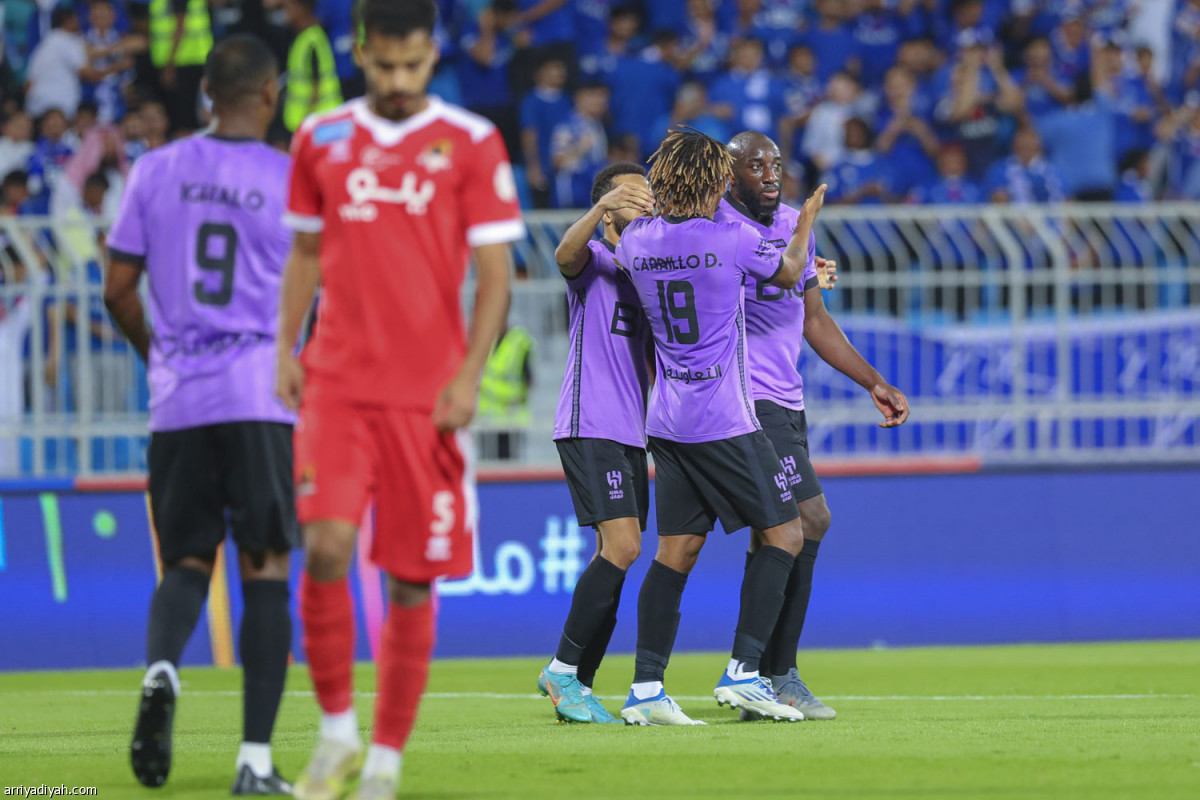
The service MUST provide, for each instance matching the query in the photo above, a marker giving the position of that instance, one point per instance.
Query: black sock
(174, 611)
(766, 656)
(780, 655)
(593, 654)
(265, 641)
(658, 621)
(762, 597)
(594, 598)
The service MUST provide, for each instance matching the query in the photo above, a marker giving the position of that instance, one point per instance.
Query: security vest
(302, 85)
(197, 34)
(503, 394)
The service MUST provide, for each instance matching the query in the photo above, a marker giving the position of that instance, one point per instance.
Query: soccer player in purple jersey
(713, 460)
(203, 218)
(775, 319)
(600, 431)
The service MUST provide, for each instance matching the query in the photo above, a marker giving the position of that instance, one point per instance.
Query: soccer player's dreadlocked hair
(689, 173)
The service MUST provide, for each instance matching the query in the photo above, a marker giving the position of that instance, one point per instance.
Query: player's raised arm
(795, 256)
(572, 252)
(827, 339)
(301, 275)
(493, 271)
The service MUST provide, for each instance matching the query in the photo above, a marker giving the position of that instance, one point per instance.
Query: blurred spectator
(1045, 88)
(542, 110)
(691, 109)
(312, 80)
(1072, 55)
(1135, 174)
(599, 57)
(877, 33)
(831, 40)
(965, 17)
(19, 20)
(704, 46)
(551, 26)
(748, 97)
(59, 65)
(1146, 68)
(1128, 94)
(1181, 133)
(905, 137)
(579, 147)
(1025, 176)
(14, 193)
(642, 90)
(801, 93)
(133, 131)
(54, 147)
(16, 142)
(825, 134)
(980, 92)
(109, 50)
(858, 176)
(86, 118)
(952, 186)
(156, 123)
(337, 18)
(778, 25)
(1082, 143)
(488, 44)
(180, 38)
(922, 60)
(101, 154)
(15, 318)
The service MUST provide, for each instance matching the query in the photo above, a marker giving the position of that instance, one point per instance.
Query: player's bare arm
(795, 256)
(301, 275)
(493, 269)
(827, 340)
(125, 305)
(572, 253)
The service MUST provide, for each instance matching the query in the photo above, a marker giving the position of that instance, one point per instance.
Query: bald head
(757, 173)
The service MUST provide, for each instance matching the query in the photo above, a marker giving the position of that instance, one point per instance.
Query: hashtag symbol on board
(562, 559)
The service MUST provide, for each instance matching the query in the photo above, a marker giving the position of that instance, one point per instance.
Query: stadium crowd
(925, 101)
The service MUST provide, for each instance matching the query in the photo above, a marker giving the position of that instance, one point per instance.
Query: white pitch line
(894, 698)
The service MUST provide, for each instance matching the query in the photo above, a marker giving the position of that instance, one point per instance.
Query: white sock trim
(646, 689)
(258, 757)
(165, 667)
(342, 727)
(382, 761)
(563, 669)
(738, 672)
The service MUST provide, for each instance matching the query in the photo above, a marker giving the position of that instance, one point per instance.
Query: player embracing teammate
(390, 195)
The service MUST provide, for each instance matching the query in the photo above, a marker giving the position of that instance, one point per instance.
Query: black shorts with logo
(739, 481)
(607, 479)
(233, 474)
(788, 432)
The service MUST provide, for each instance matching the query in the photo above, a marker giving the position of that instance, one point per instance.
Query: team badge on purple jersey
(774, 316)
(689, 275)
(205, 216)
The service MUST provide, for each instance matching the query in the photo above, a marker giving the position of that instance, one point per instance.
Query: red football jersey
(399, 206)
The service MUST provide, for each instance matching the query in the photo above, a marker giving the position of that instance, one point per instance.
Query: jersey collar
(389, 133)
(737, 206)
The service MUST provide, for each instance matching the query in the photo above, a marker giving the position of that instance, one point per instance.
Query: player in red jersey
(390, 195)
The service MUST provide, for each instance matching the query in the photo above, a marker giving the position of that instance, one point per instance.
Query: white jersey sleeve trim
(509, 230)
(303, 224)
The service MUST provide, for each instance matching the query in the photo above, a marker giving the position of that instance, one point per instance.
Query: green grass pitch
(1049, 721)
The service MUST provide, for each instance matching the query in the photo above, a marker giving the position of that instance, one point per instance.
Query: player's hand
(456, 404)
(827, 277)
(628, 195)
(289, 379)
(892, 403)
(813, 205)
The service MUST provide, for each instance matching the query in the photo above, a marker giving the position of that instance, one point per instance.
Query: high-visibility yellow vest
(503, 393)
(302, 85)
(197, 34)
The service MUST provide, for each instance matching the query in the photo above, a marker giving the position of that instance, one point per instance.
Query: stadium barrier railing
(1022, 335)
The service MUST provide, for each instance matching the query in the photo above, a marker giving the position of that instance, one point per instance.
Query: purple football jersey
(205, 215)
(603, 392)
(689, 275)
(774, 316)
